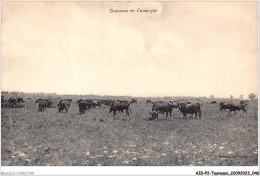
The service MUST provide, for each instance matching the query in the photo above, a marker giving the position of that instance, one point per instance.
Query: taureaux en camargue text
(139, 10)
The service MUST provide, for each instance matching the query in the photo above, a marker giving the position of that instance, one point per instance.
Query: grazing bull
(190, 109)
(213, 102)
(43, 103)
(12, 102)
(232, 107)
(82, 106)
(66, 100)
(63, 105)
(237, 108)
(223, 106)
(163, 107)
(120, 106)
(92, 104)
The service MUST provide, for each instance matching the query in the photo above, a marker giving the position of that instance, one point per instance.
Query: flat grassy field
(32, 138)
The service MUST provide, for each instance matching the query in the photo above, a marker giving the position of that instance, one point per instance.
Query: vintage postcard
(130, 84)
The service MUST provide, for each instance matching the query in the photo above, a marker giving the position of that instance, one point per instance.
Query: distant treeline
(55, 95)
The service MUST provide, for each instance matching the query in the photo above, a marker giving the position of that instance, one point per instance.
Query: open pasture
(50, 138)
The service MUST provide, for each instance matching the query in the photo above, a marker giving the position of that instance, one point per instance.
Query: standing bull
(63, 105)
(43, 103)
(232, 107)
(163, 107)
(12, 102)
(82, 106)
(66, 100)
(223, 106)
(120, 106)
(190, 109)
(42, 106)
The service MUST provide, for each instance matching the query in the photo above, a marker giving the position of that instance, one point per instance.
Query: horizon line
(90, 94)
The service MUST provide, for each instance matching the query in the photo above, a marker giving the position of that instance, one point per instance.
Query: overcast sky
(184, 49)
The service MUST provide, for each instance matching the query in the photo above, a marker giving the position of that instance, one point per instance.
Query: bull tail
(130, 110)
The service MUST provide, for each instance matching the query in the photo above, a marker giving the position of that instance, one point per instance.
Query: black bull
(190, 109)
(163, 107)
(120, 106)
(232, 107)
(42, 105)
(87, 105)
(63, 105)
(82, 106)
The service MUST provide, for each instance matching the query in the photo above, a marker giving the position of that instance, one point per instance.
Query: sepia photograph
(129, 83)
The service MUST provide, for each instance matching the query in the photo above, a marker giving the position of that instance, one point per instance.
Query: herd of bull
(119, 106)
(13, 101)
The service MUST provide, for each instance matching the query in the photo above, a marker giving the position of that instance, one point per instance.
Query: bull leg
(83, 110)
(166, 115)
